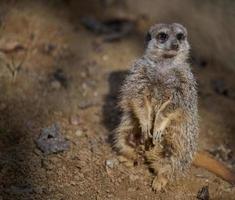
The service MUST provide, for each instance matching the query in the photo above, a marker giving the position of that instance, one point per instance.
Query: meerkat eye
(162, 37)
(180, 36)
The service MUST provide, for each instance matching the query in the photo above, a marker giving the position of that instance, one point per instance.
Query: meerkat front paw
(146, 131)
(158, 130)
(157, 136)
(159, 183)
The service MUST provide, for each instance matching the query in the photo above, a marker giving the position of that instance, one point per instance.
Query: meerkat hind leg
(127, 153)
(161, 179)
(159, 183)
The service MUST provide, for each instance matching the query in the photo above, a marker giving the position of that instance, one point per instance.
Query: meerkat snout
(174, 45)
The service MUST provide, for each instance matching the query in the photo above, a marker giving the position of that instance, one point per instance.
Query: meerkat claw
(159, 184)
(157, 136)
(146, 132)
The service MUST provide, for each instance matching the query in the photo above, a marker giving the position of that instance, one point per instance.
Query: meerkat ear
(148, 37)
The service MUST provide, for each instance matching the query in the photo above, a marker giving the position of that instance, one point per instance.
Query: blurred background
(61, 65)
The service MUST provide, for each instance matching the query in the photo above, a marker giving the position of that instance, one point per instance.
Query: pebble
(85, 104)
(110, 196)
(51, 140)
(111, 163)
(56, 85)
(105, 57)
(74, 120)
(131, 190)
(79, 133)
(133, 177)
(73, 183)
(83, 75)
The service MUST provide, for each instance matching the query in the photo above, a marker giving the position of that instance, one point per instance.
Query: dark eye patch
(180, 36)
(162, 37)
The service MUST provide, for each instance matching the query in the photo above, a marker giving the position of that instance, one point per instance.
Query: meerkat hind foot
(127, 162)
(159, 183)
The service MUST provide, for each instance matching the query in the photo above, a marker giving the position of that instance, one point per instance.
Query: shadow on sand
(111, 111)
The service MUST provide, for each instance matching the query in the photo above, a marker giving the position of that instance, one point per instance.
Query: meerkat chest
(167, 86)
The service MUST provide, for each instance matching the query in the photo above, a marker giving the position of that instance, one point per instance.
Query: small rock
(105, 57)
(55, 85)
(74, 120)
(131, 189)
(201, 176)
(73, 183)
(79, 133)
(110, 196)
(111, 163)
(133, 177)
(51, 140)
(86, 104)
(95, 94)
(203, 193)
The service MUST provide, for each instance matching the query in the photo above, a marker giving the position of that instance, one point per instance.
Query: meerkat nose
(174, 46)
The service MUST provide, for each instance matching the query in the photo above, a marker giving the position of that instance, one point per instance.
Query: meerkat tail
(204, 160)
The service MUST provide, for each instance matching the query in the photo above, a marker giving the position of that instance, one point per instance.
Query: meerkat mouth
(169, 54)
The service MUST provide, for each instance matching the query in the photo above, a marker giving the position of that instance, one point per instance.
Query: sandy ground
(51, 41)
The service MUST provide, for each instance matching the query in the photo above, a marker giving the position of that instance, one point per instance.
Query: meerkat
(159, 107)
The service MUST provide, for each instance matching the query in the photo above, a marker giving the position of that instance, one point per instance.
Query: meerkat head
(167, 41)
